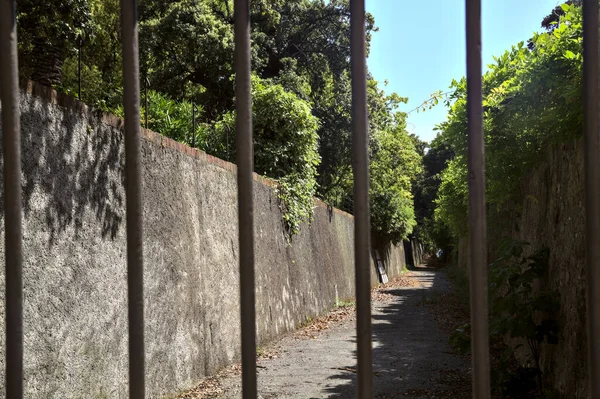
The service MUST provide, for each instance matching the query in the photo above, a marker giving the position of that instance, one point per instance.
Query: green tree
(531, 99)
(101, 59)
(551, 21)
(306, 46)
(187, 52)
(394, 162)
(436, 156)
(47, 34)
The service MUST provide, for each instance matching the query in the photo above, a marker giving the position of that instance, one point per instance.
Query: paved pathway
(411, 358)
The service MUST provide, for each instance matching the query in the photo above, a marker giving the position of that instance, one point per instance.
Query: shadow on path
(411, 357)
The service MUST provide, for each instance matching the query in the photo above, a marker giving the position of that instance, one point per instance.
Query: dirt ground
(411, 357)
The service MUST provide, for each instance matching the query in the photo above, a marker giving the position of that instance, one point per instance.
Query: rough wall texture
(414, 252)
(417, 250)
(75, 307)
(553, 216)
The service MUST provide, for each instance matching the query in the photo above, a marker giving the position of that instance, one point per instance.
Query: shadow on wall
(408, 251)
(414, 253)
(391, 256)
(65, 171)
(383, 248)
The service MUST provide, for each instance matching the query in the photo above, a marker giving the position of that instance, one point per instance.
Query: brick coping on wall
(63, 100)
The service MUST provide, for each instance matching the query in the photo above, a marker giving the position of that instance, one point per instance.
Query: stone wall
(553, 216)
(75, 299)
(414, 252)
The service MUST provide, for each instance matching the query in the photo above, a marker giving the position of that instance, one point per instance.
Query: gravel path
(411, 358)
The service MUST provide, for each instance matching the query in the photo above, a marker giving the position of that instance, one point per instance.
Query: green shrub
(173, 119)
(285, 147)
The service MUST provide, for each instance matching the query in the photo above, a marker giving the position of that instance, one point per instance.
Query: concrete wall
(414, 252)
(553, 216)
(75, 311)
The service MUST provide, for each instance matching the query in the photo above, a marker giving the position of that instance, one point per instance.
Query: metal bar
(245, 164)
(592, 188)
(477, 214)
(79, 44)
(193, 125)
(362, 226)
(11, 132)
(146, 84)
(135, 263)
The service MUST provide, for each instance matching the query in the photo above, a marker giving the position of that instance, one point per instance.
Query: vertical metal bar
(135, 264)
(146, 84)
(245, 164)
(362, 226)
(592, 187)
(11, 132)
(79, 44)
(477, 214)
(193, 125)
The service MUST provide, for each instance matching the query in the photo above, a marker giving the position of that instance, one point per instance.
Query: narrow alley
(411, 356)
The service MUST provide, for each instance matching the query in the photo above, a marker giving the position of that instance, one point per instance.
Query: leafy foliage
(518, 314)
(432, 101)
(551, 21)
(285, 147)
(300, 53)
(101, 59)
(395, 160)
(436, 156)
(531, 99)
(47, 34)
(517, 310)
(187, 52)
(394, 163)
(171, 118)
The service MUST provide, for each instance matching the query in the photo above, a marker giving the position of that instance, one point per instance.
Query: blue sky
(420, 46)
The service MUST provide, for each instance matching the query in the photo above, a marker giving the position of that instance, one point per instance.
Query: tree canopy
(301, 86)
(532, 98)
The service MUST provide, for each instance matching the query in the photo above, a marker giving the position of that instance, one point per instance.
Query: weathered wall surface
(414, 252)
(553, 216)
(417, 249)
(75, 307)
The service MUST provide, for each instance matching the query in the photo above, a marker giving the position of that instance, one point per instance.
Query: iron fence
(478, 270)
